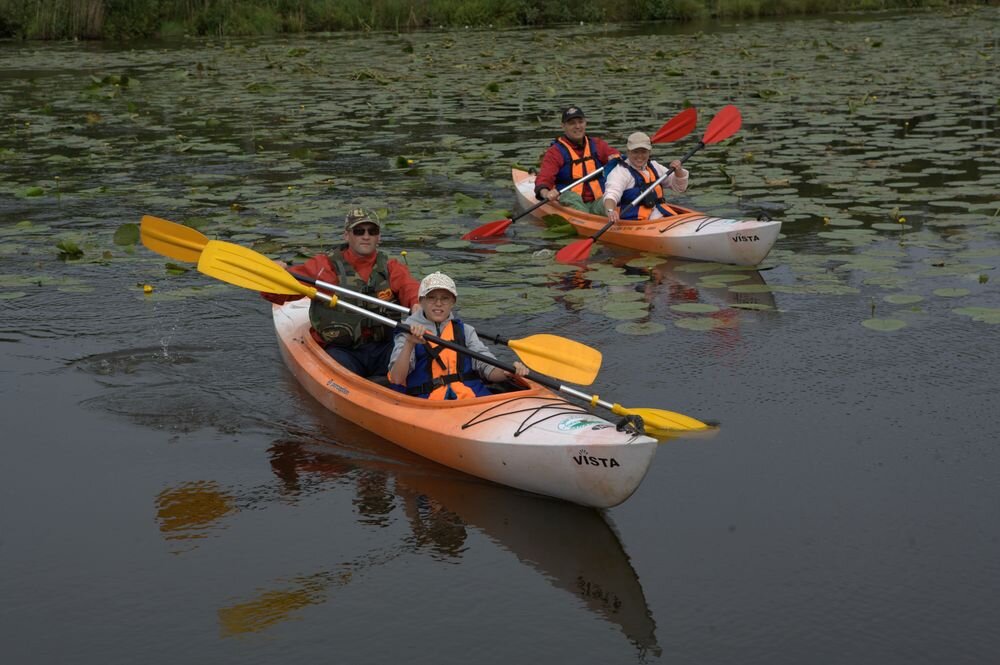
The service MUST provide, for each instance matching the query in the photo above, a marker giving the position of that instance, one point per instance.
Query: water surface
(170, 494)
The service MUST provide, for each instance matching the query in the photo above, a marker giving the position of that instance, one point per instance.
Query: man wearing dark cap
(355, 341)
(569, 158)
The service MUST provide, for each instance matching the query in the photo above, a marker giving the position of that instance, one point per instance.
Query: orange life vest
(580, 166)
(440, 373)
(641, 211)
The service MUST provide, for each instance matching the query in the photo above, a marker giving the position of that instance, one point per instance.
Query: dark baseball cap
(572, 112)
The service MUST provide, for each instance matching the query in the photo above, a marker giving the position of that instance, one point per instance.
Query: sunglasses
(370, 230)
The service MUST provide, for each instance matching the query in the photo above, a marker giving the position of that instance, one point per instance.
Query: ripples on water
(845, 511)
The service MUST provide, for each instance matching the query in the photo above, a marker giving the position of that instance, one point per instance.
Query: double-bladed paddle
(248, 269)
(725, 123)
(563, 358)
(676, 128)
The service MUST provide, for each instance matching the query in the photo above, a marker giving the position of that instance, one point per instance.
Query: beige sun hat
(361, 216)
(437, 280)
(639, 140)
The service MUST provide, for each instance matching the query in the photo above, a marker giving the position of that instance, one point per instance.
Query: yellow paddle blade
(662, 421)
(175, 241)
(556, 356)
(244, 267)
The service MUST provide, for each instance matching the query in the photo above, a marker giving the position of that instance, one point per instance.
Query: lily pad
(883, 325)
(982, 314)
(126, 234)
(951, 293)
(700, 323)
(901, 299)
(454, 244)
(512, 248)
(647, 328)
(695, 308)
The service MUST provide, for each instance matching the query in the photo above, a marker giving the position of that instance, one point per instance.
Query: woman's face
(438, 305)
(638, 157)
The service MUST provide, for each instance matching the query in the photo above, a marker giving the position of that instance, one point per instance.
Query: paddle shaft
(537, 378)
(579, 181)
(399, 325)
(636, 200)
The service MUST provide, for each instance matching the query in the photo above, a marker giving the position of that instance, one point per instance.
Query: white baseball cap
(638, 140)
(437, 280)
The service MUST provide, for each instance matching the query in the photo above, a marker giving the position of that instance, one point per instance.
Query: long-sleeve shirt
(553, 160)
(621, 179)
(319, 267)
(472, 342)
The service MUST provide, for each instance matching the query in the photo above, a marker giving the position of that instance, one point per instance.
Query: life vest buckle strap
(440, 382)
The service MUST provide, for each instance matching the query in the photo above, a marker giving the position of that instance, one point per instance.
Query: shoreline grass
(119, 20)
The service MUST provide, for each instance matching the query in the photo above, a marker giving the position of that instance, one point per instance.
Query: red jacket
(401, 281)
(552, 161)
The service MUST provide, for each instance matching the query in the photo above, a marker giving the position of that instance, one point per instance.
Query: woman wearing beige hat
(434, 372)
(633, 176)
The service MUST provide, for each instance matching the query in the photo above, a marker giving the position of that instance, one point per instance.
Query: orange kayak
(686, 235)
(530, 439)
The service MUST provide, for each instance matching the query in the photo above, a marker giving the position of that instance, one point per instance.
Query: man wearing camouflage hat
(356, 342)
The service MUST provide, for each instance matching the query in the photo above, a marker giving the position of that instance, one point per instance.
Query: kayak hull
(529, 439)
(688, 235)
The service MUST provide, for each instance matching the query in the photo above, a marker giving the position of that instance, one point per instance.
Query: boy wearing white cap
(631, 178)
(418, 367)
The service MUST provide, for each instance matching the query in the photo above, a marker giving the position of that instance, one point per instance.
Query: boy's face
(437, 305)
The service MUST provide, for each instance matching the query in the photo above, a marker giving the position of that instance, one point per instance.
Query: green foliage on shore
(136, 19)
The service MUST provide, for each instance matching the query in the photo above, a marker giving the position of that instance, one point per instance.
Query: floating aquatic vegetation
(903, 299)
(645, 328)
(981, 314)
(126, 234)
(216, 149)
(69, 250)
(951, 293)
(883, 325)
(698, 323)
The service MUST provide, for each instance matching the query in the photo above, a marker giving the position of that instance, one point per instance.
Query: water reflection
(675, 281)
(573, 548)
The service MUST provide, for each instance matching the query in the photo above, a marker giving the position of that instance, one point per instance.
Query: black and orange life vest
(440, 373)
(575, 166)
(654, 199)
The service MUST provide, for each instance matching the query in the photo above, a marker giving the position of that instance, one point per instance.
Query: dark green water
(170, 495)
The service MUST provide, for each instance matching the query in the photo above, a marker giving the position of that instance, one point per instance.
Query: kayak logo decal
(586, 459)
(753, 238)
(572, 424)
(336, 386)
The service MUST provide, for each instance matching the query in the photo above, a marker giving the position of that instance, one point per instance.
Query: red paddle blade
(575, 251)
(725, 123)
(488, 230)
(677, 127)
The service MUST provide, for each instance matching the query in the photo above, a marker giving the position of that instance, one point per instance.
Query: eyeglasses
(441, 299)
(370, 230)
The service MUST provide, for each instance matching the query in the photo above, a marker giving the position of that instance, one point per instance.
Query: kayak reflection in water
(434, 372)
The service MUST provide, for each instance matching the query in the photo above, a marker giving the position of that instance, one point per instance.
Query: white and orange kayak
(530, 439)
(687, 234)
